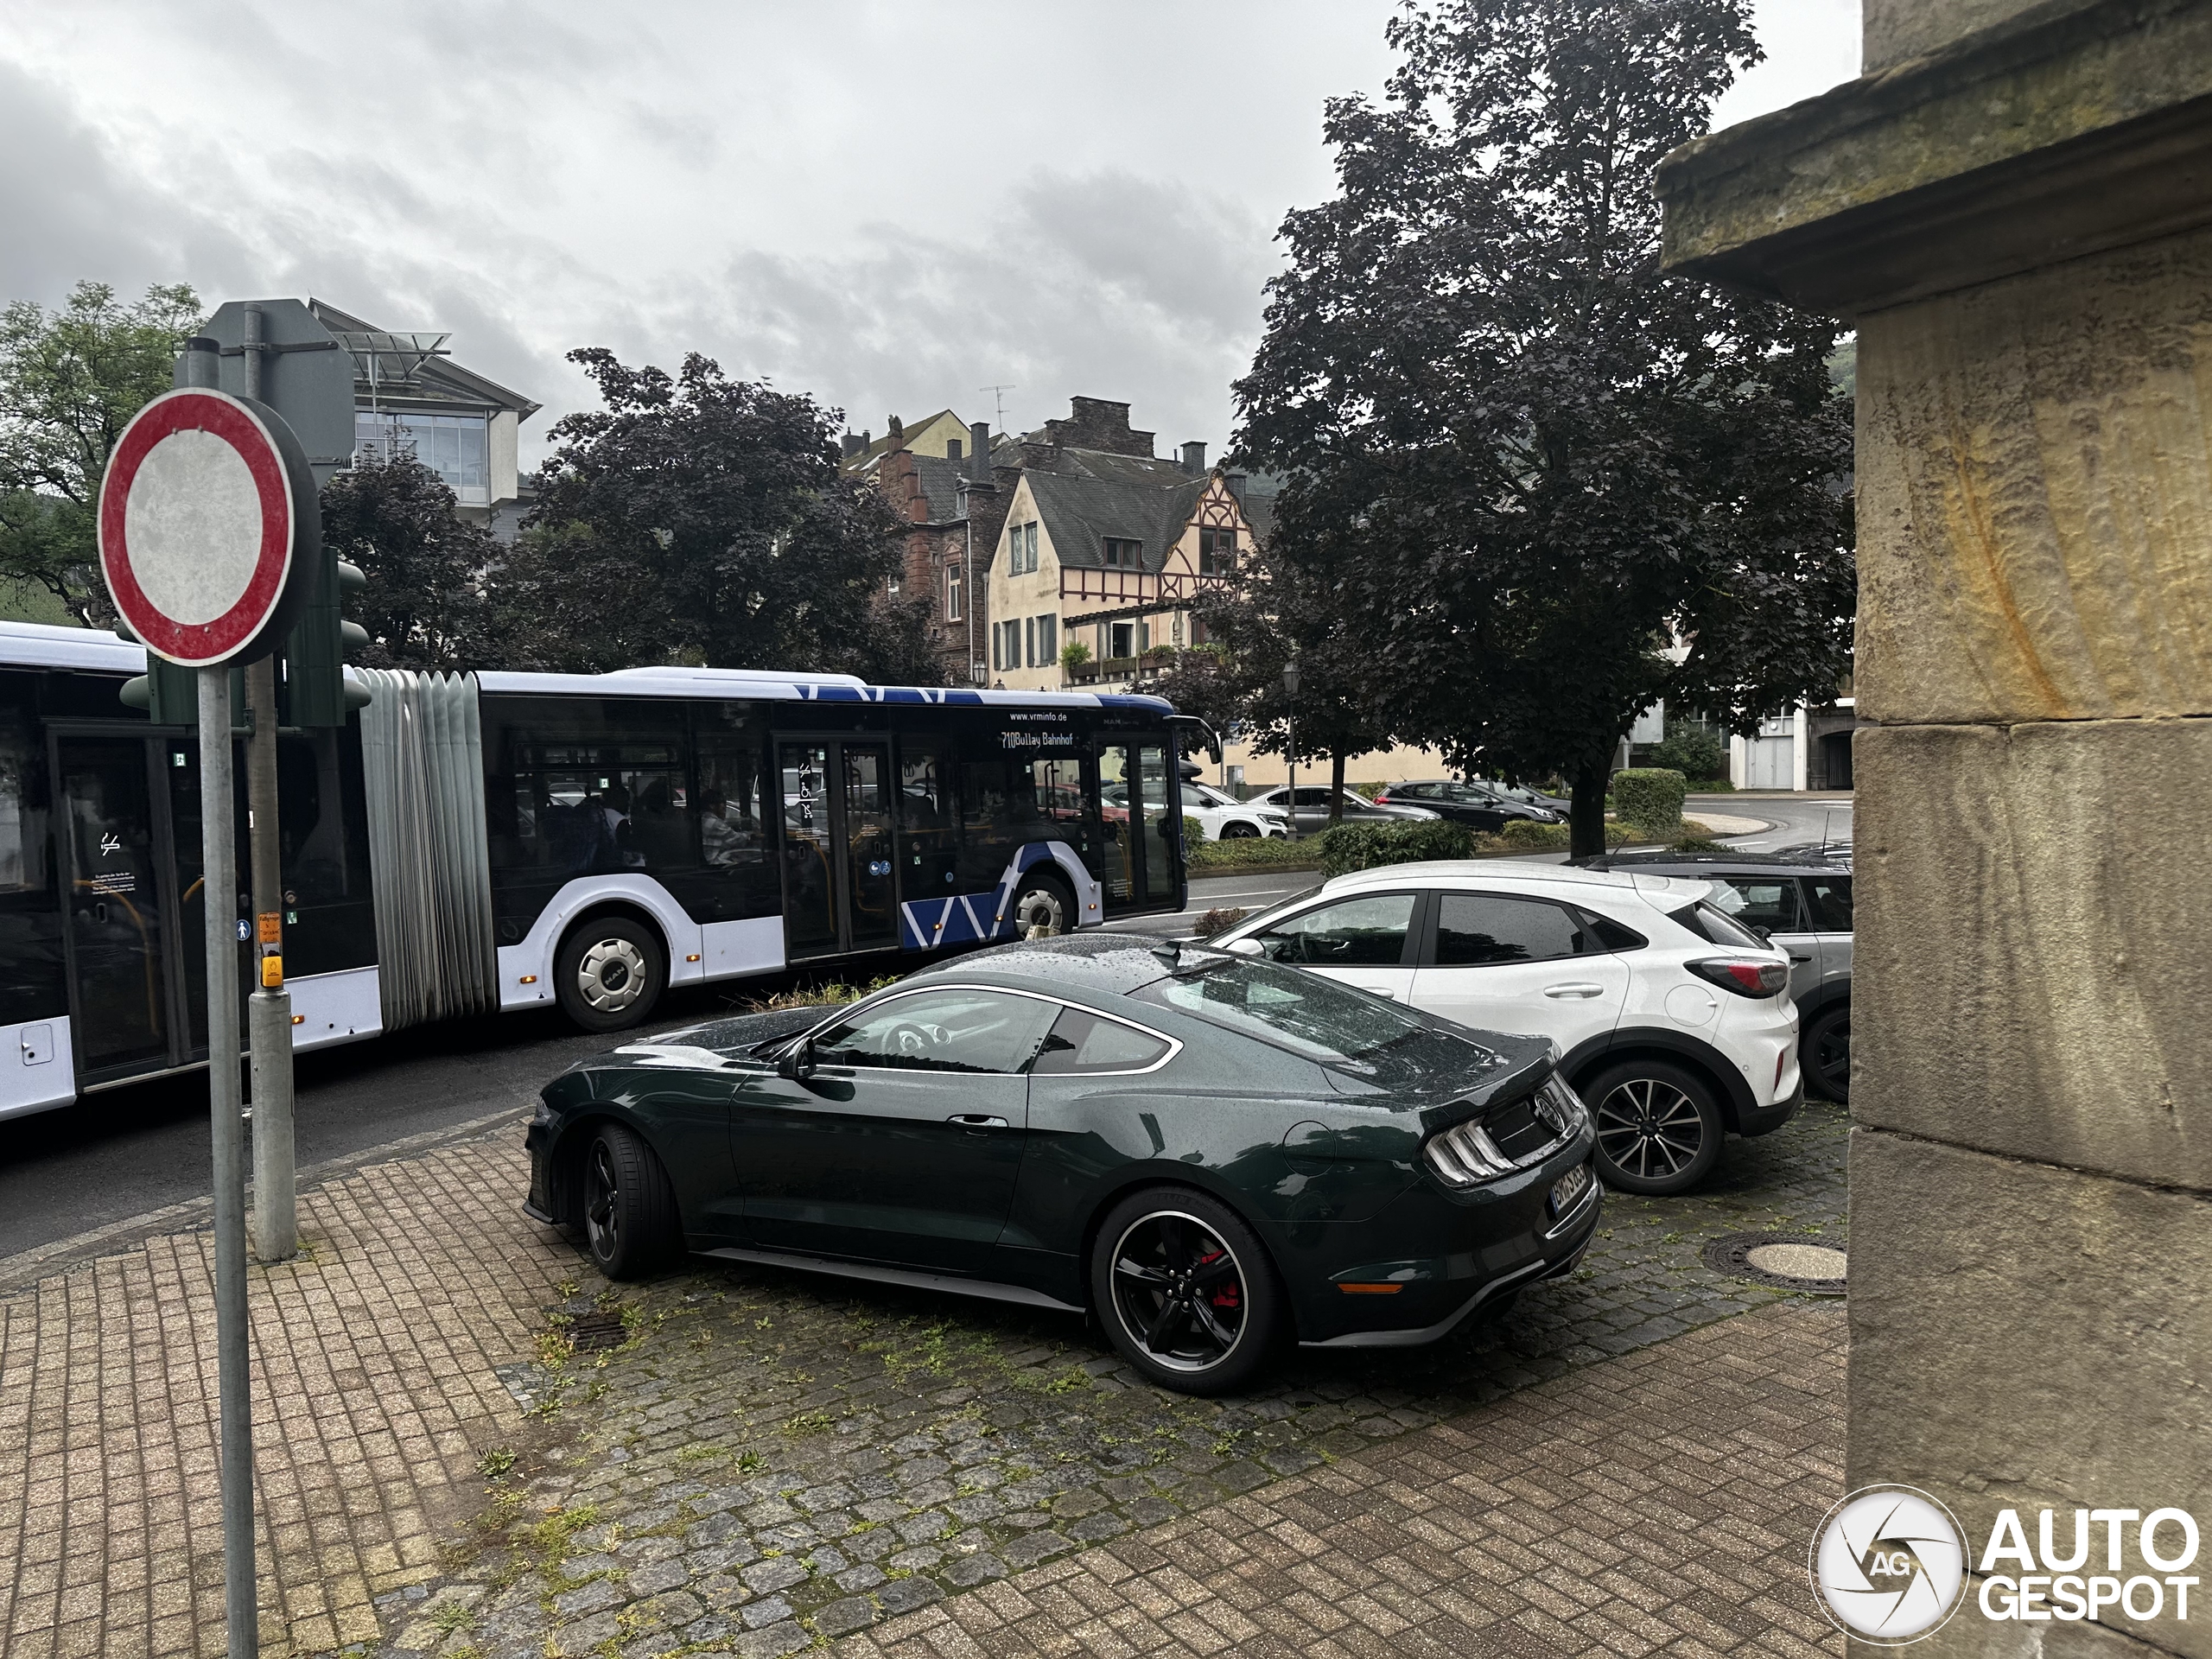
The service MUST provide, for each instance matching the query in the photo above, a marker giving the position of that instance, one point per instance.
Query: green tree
(70, 381)
(1526, 460)
(696, 519)
(1282, 608)
(425, 605)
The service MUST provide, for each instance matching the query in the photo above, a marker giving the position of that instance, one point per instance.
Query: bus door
(129, 926)
(1141, 836)
(840, 886)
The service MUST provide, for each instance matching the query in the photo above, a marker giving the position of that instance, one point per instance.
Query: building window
(451, 446)
(953, 593)
(1122, 638)
(1125, 555)
(1217, 549)
(1022, 550)
(1048, 642)
(953, 449)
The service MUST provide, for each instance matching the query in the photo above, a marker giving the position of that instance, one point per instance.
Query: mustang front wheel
(1186, 1291)
(630, 1225)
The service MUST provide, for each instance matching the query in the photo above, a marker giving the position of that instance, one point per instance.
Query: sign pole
(219, 856)
(268, 1010)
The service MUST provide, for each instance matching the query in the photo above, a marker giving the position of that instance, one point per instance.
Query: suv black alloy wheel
(1658, 1128)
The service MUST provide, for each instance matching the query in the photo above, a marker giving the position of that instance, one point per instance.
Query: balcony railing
(1111, 588)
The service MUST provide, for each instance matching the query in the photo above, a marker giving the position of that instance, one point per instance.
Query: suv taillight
(1744, 978)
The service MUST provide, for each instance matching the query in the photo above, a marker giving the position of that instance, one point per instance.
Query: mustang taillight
(1744, 978)
(1467, 1155)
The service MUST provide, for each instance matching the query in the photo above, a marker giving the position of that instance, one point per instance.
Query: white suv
(1221, 817)
(1674, 1022)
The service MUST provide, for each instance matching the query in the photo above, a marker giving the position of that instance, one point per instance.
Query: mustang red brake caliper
(1226, 1296)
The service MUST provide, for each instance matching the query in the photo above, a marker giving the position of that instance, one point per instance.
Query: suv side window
(1478, 930)
(1767, 901)
(1830, 898)
(1368, 932)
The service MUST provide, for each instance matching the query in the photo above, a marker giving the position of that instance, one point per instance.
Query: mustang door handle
(1574, 990)
(977, 1121)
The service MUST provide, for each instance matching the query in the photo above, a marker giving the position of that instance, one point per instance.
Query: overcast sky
(889, 206)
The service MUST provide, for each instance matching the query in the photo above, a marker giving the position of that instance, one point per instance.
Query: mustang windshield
(1314, 1016)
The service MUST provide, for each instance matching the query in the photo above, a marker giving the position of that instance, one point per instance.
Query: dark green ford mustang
(1213, 1153)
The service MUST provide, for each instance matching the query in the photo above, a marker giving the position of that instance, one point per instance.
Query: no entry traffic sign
(208, 526)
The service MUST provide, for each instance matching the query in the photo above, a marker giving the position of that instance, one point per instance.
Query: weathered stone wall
(1893, 30)
(2018, 228)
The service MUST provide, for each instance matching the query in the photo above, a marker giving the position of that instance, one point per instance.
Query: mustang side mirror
(796, 1062)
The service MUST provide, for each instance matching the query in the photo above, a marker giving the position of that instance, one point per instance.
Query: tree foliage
(425, 606)
(70, 381)
(1523, 461)
(697, 519)
(1279, 608)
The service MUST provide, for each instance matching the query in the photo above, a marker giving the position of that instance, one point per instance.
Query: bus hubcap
(1038, 912)
(612, 974)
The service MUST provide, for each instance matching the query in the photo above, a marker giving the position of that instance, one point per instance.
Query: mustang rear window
(1306, 1013)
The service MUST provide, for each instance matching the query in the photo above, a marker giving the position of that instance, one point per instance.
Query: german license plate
(1568, 1191)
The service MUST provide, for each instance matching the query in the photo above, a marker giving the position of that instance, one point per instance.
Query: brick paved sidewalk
(374, 1387)
(753, 1461)
(1658, 1503)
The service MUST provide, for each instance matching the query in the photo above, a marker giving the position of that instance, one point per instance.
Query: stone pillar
(2015, 212)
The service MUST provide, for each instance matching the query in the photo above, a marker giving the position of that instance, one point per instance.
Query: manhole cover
(1785, 1262)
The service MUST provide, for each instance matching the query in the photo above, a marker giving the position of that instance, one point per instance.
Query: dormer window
(1125, 555)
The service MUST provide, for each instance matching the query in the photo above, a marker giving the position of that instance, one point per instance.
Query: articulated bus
(473, 842)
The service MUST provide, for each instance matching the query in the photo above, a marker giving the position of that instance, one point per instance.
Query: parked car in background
(1803, 906)
(1216, 1156)
(1674, 1022)
(1223, 817)
(1313, 809)
(1475, 804)
(1527, 796)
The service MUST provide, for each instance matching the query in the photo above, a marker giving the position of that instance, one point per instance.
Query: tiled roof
(1081, 510)
(940, 480)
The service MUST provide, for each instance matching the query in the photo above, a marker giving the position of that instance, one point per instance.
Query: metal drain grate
(1786, 1261)
(591, 1332)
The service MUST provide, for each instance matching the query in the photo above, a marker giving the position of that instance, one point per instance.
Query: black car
(1475, 804)
(1213, 1153)
(1802, 904)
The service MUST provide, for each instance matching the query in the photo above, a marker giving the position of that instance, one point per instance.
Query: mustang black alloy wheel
(1658, 1129)
(1186, 1291)
(629, 1209)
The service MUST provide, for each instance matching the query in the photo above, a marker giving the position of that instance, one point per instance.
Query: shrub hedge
(1250, 853)
(1649, 800)
(1364, 846)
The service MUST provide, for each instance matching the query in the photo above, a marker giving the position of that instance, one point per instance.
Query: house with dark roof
(953, 506)
(1105, 546)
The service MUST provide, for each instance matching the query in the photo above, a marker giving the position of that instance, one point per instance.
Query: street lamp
(1290, 686)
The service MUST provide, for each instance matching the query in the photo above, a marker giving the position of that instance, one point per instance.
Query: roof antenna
(998, 402)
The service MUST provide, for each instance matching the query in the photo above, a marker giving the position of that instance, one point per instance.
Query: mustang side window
(1368, 931)
(1084, 1042)
(941, 1031)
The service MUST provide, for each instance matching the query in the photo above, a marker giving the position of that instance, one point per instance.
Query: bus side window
(987, 830)
(928, 828)
(22, 804)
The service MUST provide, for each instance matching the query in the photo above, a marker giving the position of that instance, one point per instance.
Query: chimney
(1236, 482)
(979, 452)
(1194, 460)
(854, 443)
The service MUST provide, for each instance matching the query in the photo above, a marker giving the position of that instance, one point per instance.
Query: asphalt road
(1799, 819)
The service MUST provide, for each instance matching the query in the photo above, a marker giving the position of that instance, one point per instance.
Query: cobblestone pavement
(467, 1442)
(767, 1458)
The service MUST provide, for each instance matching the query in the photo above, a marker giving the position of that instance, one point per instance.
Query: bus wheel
(610, 973)
(1042, 908)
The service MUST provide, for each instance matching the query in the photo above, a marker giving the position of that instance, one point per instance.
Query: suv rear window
(1708, 923)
